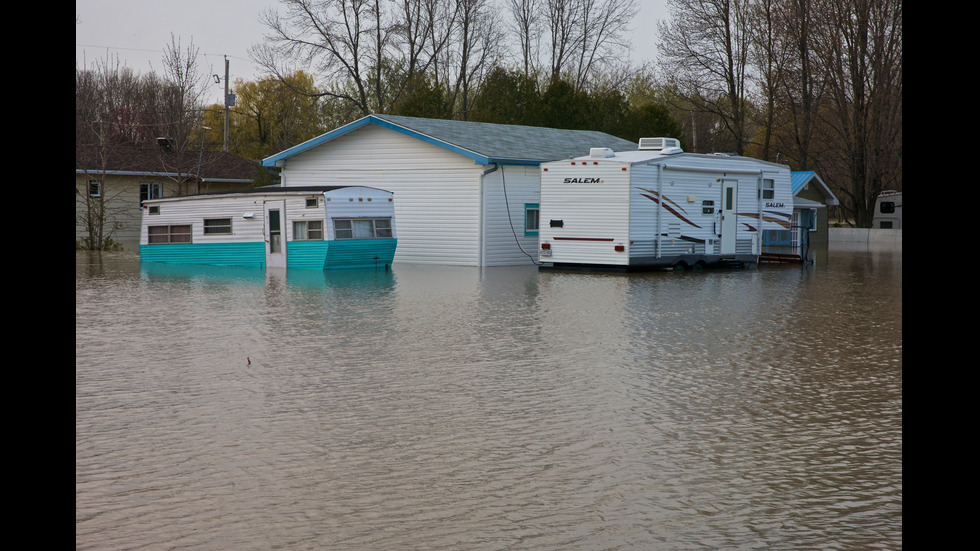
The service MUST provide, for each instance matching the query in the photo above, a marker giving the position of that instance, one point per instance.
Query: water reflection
(505, 408)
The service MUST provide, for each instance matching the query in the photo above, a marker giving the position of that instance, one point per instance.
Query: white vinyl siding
(594, 216)
(436, 192)
(499, 243)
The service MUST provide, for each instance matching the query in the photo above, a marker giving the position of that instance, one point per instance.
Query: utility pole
(227, 97)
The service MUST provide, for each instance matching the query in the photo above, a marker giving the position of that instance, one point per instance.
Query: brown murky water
(503, 408)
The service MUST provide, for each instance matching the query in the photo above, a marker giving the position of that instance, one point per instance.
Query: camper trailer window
(308, 230)
(217, 226)
(887, 207)
(768, 190)
(311, 202)
(707, 207)
(362, 228)
(531, 218)
(168, 234)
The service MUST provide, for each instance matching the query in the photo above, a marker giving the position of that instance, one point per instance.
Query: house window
(768, 190)
(362, 228)
(808, 219)
(169, 234)
(150, 190)
(94, 188)
(217, 226)
(311, 202)
(532, 214)
(308, 230)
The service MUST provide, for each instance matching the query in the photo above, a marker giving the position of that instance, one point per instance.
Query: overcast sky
(136, 32)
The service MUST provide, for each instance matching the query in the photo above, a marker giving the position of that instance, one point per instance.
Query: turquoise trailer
(315, 228)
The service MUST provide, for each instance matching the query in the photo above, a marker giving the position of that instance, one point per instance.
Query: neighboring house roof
(485, 143)
(211, 166)
(799, 180)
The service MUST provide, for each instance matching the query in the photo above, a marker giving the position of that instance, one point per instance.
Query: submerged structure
(659, 207)
(315, 227)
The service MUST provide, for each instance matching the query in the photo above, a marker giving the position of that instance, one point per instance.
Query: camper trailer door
(729, 226)
(275, 234)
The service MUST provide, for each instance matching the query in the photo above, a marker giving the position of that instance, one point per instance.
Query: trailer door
(729, 224)
(275, 237)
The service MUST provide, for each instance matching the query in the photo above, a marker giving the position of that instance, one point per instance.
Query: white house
(466, 193)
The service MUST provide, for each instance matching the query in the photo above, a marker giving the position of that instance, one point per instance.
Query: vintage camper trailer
(317, 227)
(658, 207)
(888, 211)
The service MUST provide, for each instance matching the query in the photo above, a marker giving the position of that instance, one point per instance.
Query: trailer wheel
(680, 267)
(698, 267)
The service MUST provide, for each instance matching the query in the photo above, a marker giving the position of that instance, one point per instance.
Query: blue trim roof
(485, 143)
(800, 178)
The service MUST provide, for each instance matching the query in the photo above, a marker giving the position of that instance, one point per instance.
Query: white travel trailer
(658, 207)
(315, 227)
(888, 211)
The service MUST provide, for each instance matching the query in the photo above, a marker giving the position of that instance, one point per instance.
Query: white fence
(865, 236)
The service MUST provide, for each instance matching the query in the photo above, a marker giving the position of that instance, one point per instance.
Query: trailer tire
(698, 267)
(680, 267)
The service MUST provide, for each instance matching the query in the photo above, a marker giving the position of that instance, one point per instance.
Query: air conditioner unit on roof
(658, 144)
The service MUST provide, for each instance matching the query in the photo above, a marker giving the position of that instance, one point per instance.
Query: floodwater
(446, 408)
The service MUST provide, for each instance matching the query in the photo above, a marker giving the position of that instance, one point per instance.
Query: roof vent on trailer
(667, 145)
(603, 152)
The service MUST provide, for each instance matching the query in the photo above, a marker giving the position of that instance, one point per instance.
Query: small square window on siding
(94, 188)
(311, 202)
(532, 216)
(768, 190)
(217, 226)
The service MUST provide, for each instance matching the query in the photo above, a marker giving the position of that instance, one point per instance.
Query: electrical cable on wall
(503, 181)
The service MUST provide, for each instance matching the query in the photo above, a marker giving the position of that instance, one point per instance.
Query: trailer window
(887, 207)
(308, 230)
(169, 234)
(532, 217)
(217, 226)
(362, 228)
(768, 190)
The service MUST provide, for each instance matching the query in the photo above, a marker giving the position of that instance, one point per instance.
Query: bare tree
(581, 34)
(860, 49)
(705, 48)
(472, 52)
(526, 27)
(604, 35)
(336, 39)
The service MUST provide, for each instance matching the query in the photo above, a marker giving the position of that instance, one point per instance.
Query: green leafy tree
(269, 116)
(562, 106)
(424, 98)
(507, 97)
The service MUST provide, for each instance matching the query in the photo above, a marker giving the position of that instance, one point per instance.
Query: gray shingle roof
(213, 166)
(485, 143)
